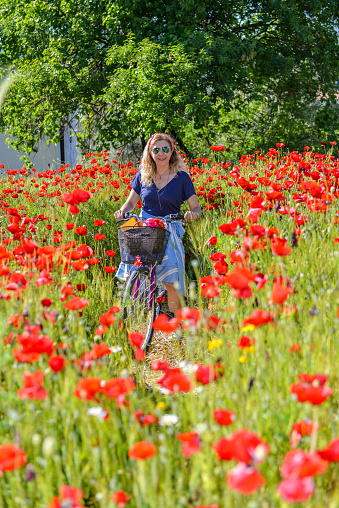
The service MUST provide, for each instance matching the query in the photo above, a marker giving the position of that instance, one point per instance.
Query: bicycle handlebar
(168, 218)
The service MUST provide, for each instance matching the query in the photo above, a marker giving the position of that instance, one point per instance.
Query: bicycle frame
(152, 287)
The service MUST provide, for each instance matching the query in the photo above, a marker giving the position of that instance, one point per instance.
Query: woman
(164, 185)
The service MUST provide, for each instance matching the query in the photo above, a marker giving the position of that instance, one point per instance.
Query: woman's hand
(190, 216)
(119, 215)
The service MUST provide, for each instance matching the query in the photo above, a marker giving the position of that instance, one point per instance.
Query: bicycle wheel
(139, 306)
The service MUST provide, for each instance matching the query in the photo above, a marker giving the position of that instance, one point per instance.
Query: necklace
(160, 177)
(159, 194)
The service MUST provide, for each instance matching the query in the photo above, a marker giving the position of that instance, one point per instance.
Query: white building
(47, 156)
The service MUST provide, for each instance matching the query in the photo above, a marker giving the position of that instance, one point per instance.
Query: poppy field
(246, 414)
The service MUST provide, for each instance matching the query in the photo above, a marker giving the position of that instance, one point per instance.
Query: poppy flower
(175, 381)
(107, 319)
(296, 490)
(47, 302)
(310, 393)
(117, 386)
(110, 269)
(57, 363)
(69, 496)
(212, 240)
(136, 338)
(224, 416)
(243, 446)
(87, 388)
(70, 226)
(110, 253)
(80, 287)
(244, 479)
(298, 464)
(99, 222)
(99, 237)
(257, 318)
(142, 450)
(331, 452)
(215, 505)
(300, 429)
(11, 457)
(279, 248)
(144, 419)
(205, 374)
(76, 303)
(81, 230)
(120, 498)
(32, 388)
(280, 292)
(164, 324)
(190, 443)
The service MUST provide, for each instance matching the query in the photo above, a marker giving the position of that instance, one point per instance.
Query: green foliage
(125, 69)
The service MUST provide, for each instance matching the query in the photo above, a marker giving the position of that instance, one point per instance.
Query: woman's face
(158, 152)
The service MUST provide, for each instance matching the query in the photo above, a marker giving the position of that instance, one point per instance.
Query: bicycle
(142, 297)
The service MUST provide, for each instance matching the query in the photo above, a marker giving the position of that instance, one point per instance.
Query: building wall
(47, 157)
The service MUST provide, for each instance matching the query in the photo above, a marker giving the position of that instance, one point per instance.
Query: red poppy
(57, 363)
(310, 393)
(190, 443)
(165, 324)
(279, 248)
(110, 269)
(76, 303)
(212, 240)
(175, 381)
(47, 302)
(144, 419)
(299, 464)
(257, 318)
(99, 237)
(331, 452)
(244, 479)
(70, 226)
(110, 253)
(224, 416)
(32, 388)
(80, 287)
(245, 341)
(296, 490)
(243, 446)
(205, 374)
(81, 230)
(316, 379)
(142, 450)
(99, 222)
(136, 338)
(69, 496)
(87, 388)
(11, 457)
(117, 386)
(120, 498)
(280, 292)
(107, 319)
(302, 428)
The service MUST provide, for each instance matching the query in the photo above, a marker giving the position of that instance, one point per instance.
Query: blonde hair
(148, 167)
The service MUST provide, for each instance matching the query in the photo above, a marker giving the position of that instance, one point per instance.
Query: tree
(127, 68)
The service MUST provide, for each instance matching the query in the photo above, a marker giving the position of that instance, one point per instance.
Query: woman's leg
(173, 298)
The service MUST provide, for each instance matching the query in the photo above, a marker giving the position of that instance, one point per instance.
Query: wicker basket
(148, 243)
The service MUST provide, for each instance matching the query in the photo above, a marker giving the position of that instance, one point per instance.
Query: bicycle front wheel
(139, 306)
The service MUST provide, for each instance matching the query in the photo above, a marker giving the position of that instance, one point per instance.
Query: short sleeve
(188, 187)
(136, 183)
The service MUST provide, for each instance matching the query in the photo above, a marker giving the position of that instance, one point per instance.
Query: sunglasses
(165, 149)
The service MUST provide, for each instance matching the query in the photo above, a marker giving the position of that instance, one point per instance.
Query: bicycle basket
(148, 243)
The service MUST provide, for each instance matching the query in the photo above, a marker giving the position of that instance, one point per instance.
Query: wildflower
(214, 343)
(167, 420)
(57, 363)
(76, 303)
(244, 479)
(142, 450)
(331, 452)
(11, 457)
(190, 443)
(32, 388)
(224, 416)
(120, 498)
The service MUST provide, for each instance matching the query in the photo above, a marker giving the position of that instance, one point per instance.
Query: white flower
(115, 349)
(99, 412)
(168, 420)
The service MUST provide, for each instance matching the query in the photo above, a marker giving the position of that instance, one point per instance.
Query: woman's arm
(195, 210)
(128, 206)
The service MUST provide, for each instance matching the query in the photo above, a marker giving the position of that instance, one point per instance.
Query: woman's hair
(147, 165)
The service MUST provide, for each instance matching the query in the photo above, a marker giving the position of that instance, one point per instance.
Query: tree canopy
(201, 69)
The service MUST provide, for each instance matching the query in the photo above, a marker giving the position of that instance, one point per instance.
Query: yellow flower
(161, 405)
(213, 344)
(250, 349)
(244, 359)
(248, 328)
